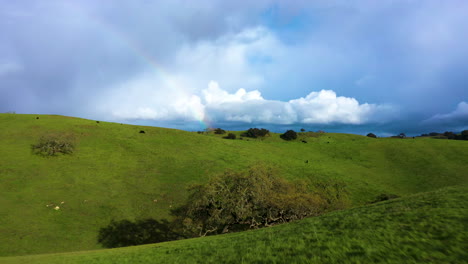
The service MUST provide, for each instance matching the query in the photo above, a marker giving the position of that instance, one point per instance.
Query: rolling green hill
(118, 173)
(422, 228)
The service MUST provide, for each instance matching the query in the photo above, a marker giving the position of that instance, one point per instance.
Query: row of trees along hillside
(291, 134)
(448, 135)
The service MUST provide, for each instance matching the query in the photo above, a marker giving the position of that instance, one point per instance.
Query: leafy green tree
(450, 135)
(464, 135)
(289, 135)
(255, 132)
(235, 201)
(219, 131)
(230, 136)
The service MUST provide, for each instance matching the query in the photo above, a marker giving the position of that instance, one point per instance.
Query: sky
(386, 66)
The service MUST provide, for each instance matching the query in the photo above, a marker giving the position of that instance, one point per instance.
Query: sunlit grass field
(118, 173)
(422, 228)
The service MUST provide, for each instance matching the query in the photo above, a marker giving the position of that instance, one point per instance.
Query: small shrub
(142, 132)
(219, 131)
(255, 132)
(230, 136)
(51, 145)
(289, 135)
(372, 135)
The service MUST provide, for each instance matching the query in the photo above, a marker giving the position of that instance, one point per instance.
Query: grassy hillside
(118, 173)
(423, 228)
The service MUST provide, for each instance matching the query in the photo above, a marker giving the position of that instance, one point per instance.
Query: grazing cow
(142, 131)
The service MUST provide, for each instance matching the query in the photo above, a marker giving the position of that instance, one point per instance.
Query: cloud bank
(457, 118)
(216, 105)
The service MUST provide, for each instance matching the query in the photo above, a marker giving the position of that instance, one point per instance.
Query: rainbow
(143, 54)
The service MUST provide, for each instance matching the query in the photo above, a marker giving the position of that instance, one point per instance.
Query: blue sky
(345, 66)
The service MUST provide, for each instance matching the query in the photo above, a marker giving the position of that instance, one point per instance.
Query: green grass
(117, 173)
(423, 228)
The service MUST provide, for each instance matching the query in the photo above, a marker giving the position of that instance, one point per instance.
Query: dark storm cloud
(65, 51)
(405, 52)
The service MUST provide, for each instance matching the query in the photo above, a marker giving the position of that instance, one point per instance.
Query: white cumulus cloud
(322, 107)
(215, 95)
(325, 107)
(217, 105)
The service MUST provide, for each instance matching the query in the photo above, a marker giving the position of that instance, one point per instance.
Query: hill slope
(118, 173)
(423, 228)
